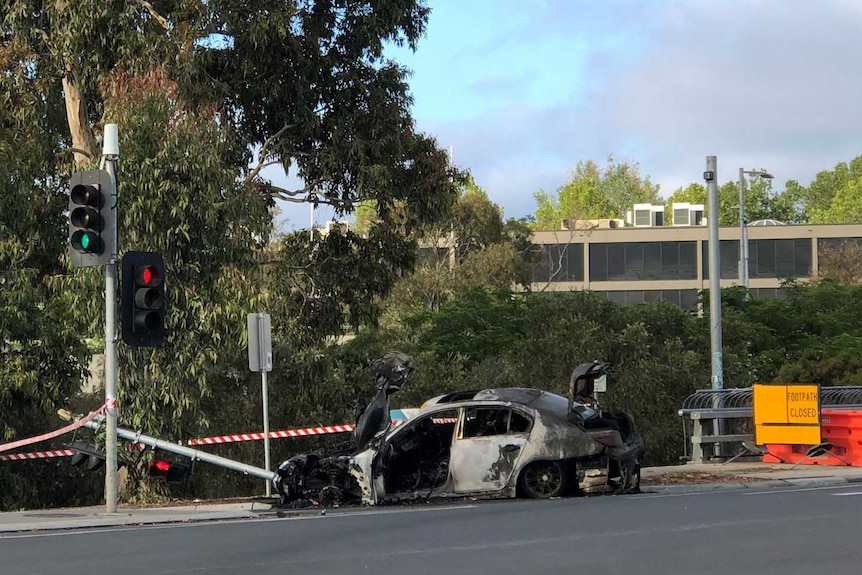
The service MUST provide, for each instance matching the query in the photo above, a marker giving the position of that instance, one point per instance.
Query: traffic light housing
(89, 453)
(91, 223)
(173, 473)
(143, 299)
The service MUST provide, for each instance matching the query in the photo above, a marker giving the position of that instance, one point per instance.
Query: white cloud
(771, 84)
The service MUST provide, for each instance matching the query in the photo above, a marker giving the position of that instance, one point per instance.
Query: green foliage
(205, 96)
(477, 325)
(473, 249)
(846, 206)
(208, 230)
(594, 193)
(476, 221)
(832, 198)
(760, 202)
(44, 349)
(818, 200)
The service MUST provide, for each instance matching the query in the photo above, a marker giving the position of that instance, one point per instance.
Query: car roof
(536, 398)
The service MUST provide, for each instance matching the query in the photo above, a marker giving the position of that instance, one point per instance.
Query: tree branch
(264, 153)
(156, 16)
(83, 141)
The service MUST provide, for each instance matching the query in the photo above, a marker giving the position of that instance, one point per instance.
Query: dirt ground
(698, 477)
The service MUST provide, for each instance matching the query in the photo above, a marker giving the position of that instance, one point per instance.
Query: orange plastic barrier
(840, 427)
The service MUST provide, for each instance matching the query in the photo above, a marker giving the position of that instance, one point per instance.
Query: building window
(776, 293)
(433, 256)
(779, 258)
(728, 259)
(560, 263)
(643, 261)
(835, 250)
(684, 298)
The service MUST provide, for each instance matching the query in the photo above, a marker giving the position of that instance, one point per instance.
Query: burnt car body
(491, 443)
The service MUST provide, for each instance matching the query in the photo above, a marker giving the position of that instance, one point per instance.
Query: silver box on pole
(259, 342)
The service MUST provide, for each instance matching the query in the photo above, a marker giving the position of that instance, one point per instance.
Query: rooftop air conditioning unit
(611, 223)
(681, 214)
(697, 218)
(648, 216)
(686, 214)
(342, 226)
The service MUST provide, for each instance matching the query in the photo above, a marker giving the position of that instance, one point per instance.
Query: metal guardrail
(743, 397)
(723, 416)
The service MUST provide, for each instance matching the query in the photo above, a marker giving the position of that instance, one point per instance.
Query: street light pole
(711, 177)
(743, 233)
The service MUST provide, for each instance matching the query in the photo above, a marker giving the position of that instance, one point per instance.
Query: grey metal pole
(194, 454)
(743, 233)
(266, 459)
(714, 274)
(263, 336)
(110, 154)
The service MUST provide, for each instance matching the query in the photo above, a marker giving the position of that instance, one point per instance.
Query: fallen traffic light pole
(193, 454)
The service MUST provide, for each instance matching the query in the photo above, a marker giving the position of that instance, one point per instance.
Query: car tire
(546, 479)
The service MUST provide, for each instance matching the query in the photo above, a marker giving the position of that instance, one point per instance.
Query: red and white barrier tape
(322, 430)
(273, 434)
(37, 455)
(51, 435)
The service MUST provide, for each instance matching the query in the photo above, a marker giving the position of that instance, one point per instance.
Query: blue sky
(523, 91)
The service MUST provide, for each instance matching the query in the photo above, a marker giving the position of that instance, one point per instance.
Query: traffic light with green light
(91, 225)
(142, 298)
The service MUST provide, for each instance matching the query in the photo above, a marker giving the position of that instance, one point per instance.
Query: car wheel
(545, 479)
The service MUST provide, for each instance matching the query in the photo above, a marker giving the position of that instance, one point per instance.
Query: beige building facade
(670, 263)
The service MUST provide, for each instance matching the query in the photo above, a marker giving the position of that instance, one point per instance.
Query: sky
(523, 91)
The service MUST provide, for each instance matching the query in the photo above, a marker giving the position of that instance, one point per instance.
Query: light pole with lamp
(743, 224)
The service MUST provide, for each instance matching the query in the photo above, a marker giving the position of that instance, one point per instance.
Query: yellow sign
(787, 414)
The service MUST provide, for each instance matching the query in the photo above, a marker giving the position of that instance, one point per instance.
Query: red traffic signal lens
(150, 276)
(160, 465)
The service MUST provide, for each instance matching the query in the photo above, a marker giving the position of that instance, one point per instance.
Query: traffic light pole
(110, 157)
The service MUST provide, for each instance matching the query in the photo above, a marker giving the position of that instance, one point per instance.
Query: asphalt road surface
(787, 532)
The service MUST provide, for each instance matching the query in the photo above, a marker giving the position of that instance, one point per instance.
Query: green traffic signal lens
(85, 242)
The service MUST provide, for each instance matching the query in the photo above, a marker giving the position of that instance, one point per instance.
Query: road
(786, 532)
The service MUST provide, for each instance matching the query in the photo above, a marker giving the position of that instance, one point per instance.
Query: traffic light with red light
(171, 472)
(91, 224)
(143, 299)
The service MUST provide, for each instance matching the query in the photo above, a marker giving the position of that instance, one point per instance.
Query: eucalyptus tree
(206, 95)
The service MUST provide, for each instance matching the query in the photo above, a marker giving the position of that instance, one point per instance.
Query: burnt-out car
(490, 443)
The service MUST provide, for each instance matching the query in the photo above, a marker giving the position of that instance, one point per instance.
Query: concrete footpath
(697, 477)
(690, 478)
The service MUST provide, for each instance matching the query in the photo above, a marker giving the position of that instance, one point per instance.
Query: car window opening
(419, 458)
